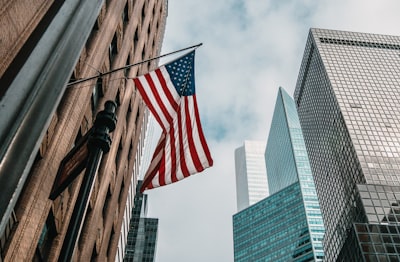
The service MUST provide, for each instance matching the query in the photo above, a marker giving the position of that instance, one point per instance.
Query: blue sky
(250, 48)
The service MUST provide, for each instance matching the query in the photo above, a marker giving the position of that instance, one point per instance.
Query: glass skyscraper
(286, 226)
(347, 95)
(142, 235)
(251, 176)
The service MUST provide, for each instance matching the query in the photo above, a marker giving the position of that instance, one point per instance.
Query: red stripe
(161, 167)
(191, 143)
(147, 100)
(158, 99)
(167, 91)
(173, 154)
(182, 159)
(161, 171)
(150, 186)
(201, 134)
(152, 173)
(172, 169)
(147, 182)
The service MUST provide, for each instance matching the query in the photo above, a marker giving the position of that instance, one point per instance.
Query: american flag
(169, 93)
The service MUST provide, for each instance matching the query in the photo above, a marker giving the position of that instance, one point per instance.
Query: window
(47, 236)
(113, 49)
(125, 14)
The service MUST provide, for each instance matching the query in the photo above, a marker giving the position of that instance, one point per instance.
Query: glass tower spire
(286, 226)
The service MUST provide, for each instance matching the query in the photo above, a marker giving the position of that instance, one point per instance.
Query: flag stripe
(155, 162)
(202, 138)
(146, 99)
(158, 105)
(168, 96)
(173, 96)
(161, 171)
(162, 98)
(184, 169)
(162, 107)
(191, 142)
(173, 156)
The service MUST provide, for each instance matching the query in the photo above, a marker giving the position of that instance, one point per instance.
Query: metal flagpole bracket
(78, 81)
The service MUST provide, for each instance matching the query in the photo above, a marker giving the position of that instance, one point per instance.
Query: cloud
(368, 16)
(196, 217)
(251, 48)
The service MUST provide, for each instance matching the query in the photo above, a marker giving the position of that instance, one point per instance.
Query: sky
(250, 48)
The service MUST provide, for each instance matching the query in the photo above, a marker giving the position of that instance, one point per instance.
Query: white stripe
(179, 172)
(196, 137)
(188, 158)
(154, 162)
(168, 163)
(170, 87)
(153, 101)
(163, 98)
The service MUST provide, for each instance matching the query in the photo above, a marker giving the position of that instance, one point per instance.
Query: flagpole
(131, 65)
(99, 143)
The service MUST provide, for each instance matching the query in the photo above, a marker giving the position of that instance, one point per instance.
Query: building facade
(134, 186)
(48, 44)
(271, 229)
(287, 225)
(347, 98)
(251, 176)
(142, 235)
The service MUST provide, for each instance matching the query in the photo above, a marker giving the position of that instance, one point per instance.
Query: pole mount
(105, 122)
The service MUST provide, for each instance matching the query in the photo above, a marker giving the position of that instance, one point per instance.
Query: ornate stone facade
(125, 32)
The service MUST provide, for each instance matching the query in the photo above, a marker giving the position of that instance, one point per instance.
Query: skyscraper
(287, 225)
(45, 46)
(133, 189)
(142, 236)
(347, 95)
(251, 177)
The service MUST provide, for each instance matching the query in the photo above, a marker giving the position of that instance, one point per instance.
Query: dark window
(126, 70)
(125, 14)
(105, 206)
(136, 36)
(47, 236)
(113, 50)
(359, 43)
(117, 98)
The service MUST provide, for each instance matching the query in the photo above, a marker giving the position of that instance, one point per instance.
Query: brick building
(45, 45)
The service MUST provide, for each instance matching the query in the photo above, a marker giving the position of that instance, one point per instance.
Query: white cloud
(250, 49)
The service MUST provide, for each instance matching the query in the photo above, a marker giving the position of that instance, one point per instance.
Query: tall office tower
(45, 45)
(287, 225)
(142, 236)
(140, 169)
(251, 177)
(347, 96)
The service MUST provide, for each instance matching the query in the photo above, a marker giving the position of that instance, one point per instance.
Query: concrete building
(347, 96)
(251, 177)
(46, 45)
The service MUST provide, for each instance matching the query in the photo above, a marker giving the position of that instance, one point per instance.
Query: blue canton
(181, 72)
